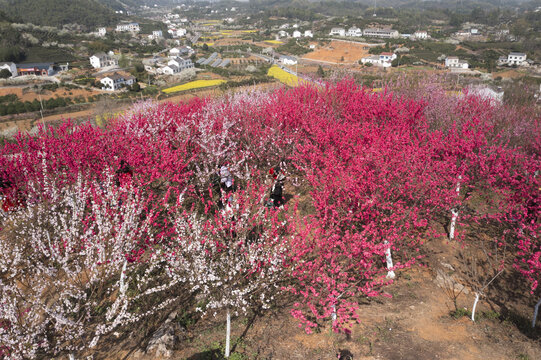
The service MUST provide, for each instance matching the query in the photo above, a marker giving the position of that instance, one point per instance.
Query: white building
(288, 60)
(102, 31)
(355, 31)
(373, 59)
(181, 32)
(338, 32)
(384, 59)
(180, 63)
(282, 34)
(116, 82)
(133, 27)
(516, 58)
(170, 70)
(174, 52)
(156, 34)
(11, 67)
(421, 35)
(381, 33)
(297, 34)
(308, 33)
(454, 62)
(100, 60)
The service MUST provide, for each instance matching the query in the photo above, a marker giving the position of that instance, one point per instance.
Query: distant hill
(89, 13)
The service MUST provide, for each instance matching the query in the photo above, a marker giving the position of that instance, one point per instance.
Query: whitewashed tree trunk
(474, 306)
(228, 334)
(535, 312)
(454, 212)
(389, 259)
(333, 316)
(71, 357)
(454, 216)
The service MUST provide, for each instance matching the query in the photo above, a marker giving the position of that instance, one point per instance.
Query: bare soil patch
(351, 52)
(29, 94)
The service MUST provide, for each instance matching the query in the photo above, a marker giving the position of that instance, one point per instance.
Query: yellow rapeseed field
(274, 41)
(248, 31)
(284, 77)
(197, 84)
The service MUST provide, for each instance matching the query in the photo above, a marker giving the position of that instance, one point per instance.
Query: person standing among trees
(123, 174)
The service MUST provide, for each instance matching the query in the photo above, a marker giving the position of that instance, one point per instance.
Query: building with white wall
(338, 31)
(453, 62)
(116, 82)
(354, 31)
(132, 27)
(516, 58)
(381, 33)
(100, 60)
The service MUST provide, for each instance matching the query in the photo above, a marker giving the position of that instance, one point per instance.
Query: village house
(454, 62)
(354, 31)
(463, 34)
(102, 31)
(156, 34)
(117, 81)
(384, 59)
(420, 35)
(381, 33)
(288, 60)
(372, 59)
(338, 32)
(132, 27)
(169, 70)
(9, 66)
(174, 52)
(297, 34)
(308, 33)
(516, 58)
(502, 60)
(40, 69)
(282, 34)
(100, 60)
(181, 63)
(178, 32)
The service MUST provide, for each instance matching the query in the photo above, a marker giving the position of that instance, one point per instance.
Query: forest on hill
(88, 13)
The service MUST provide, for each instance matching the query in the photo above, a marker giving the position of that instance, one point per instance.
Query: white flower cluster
(69, 270)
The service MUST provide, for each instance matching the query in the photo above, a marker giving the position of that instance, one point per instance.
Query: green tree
(136, 87)
(205, 47)
(320, 72)
(5, 73)
(123, 62)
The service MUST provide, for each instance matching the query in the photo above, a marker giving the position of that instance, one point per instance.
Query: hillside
(322, 222)
(89, 13)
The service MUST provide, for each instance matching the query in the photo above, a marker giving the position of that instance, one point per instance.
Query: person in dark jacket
(123, 173)
(277, 191)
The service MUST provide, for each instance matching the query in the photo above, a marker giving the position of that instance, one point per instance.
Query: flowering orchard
(101, 228)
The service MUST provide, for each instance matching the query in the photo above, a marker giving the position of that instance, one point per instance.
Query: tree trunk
(454, 212)
(536, 310)
(454, 216)
(390, 273)
(228, 334)
(474, 306)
